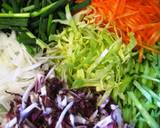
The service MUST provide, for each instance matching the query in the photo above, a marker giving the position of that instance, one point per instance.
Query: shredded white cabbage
(17, 68)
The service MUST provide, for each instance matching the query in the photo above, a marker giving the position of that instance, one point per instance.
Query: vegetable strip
(141, 17)
(152, 123)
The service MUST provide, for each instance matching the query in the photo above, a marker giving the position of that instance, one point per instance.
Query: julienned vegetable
(145, 114)
(17, 69)
(26, 20)
(47, 103)
(87, 55)
(32, 20)
(141, 17)
(92, 56)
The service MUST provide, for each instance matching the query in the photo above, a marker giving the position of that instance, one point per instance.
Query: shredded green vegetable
(93, 56)
(152, 123)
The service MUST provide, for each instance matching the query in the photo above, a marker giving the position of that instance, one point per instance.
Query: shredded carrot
(140, 55)
(139, 16)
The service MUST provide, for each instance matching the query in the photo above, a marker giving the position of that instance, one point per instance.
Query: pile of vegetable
(104, 54)
(139, 16)
(17, 69)
(33, 19)
(47, 103)
(93, 56)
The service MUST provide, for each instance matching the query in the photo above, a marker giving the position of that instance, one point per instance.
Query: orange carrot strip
(139, 16)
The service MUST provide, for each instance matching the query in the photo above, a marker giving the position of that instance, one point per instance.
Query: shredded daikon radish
(17, 69)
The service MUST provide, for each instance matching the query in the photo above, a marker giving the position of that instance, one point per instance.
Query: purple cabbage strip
(48, 104)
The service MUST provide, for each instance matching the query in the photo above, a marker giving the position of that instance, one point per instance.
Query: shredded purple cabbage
(48, 104)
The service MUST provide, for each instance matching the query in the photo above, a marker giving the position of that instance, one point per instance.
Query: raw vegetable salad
(80, 64)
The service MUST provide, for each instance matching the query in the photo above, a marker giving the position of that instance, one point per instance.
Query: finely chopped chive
(28, 8)
(14, 15)
(49, 24)
(43, 11)
(23, 22)
(36, 16)
(48, 9)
